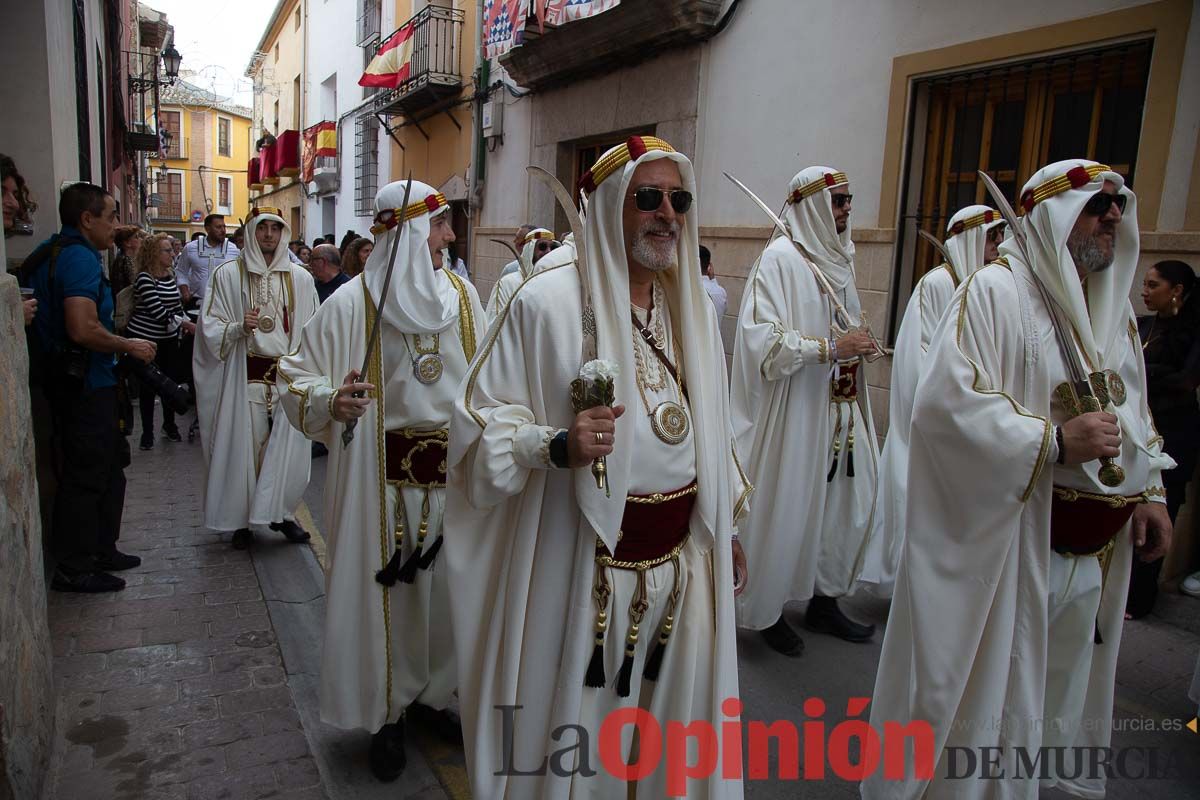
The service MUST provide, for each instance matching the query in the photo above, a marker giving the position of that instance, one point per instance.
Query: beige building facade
(909, 99)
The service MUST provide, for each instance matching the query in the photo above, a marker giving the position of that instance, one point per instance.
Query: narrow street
(201, 679)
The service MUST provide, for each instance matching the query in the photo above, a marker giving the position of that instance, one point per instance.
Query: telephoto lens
(174, 396)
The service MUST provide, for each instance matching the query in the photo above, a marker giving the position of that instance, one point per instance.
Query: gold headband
(257, 210)
(390, 217)
(826, 181)
(534, 235)
(1073, 178)
(983, 218)
(634, 148)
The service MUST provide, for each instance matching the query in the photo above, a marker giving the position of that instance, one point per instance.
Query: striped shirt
(159, 309)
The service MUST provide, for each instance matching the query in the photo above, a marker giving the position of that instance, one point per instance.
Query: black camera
(174, 396)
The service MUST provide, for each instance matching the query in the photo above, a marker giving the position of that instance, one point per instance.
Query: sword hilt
(1110, 474)
(351, 424)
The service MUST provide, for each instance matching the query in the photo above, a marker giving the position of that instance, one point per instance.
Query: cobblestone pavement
(175, 689)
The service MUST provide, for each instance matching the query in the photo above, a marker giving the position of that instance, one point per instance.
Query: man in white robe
(538, 242)
(973, 239)
(1007, 614)
(802, 418)
(518, 242)
(254, 308)
(388, 645)
(545, 619)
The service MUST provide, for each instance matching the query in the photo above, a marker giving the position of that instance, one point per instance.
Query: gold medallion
(1116, 387)
(428, 368)
(670, 422)
(266, 323)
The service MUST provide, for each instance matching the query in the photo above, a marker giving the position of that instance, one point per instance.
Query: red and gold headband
(986, 218)
(634, 148)
(826, 181)
(390, 217)
(535, 235)
(257, 210)
(1074, 178)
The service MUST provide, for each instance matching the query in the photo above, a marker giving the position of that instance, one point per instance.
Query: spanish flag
(390, 68)
(319, 141)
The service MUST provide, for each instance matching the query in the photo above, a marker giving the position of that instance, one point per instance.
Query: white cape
(222, 407)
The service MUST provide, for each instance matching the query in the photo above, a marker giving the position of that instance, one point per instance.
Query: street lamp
(171, 60)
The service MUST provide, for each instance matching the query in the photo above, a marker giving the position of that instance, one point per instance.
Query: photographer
(75, 340)
(158, 317)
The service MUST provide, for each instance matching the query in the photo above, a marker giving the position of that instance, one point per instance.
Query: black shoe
(319, 450)
(171, 434)
(443, 722)
(89, 582)
(291, 530)
(147, 442)
(116, 561)
(387, 752)
(242, 539)
(783, 639)
(824, 616)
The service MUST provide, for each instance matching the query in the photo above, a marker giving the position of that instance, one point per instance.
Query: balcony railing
(177, 148)
(433, 67)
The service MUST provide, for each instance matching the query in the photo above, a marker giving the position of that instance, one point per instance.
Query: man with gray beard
(1024, 507)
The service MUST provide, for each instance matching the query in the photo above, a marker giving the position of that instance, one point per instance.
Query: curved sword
(940, 247)
(1110, 473)
(348, 430)
(842, 321)
(507, 244)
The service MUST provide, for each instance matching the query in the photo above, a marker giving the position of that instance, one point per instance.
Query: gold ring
(599, 438)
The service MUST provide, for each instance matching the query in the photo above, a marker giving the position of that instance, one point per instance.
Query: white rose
(599, 369)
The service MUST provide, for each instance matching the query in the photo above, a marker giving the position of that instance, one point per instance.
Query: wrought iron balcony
(433, 74)
(624, 35)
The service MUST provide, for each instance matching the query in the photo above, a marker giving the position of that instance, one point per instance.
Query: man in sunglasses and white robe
(973, 239)
(802, 418)
(537, 243)
(1025, 508)
(388, 647)
(253, 310)
(573, 600)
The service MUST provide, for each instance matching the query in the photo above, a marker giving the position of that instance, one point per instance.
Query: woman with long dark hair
(357, 253)
(1171, 349)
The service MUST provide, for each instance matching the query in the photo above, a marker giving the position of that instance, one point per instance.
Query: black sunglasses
(840, 200)
(649, 198)
(1101, 202)
(546, 245)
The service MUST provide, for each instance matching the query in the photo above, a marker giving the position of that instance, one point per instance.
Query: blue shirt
(77, 273)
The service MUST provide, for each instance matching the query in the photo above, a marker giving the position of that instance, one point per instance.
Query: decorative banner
(253, 176)
(287, 154)
(390, 68)
(503, 25)
(560, 12)
(320, 141)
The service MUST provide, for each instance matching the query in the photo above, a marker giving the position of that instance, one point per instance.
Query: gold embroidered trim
(439, 437)
(1047, 435)
(640, 566)
(1111, 500)
(1154, 491)
(489, 342)
(747, 487)
(466, 316)
(659, 498)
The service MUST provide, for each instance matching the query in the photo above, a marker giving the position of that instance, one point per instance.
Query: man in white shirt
(201, 256)
(716, 292)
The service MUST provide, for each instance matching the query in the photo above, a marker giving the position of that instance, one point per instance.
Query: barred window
(169, 121)
(366, 164)
(1009, 121)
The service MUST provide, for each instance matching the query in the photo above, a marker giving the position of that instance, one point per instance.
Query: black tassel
(1097, 638)
(388, 575)
(595, 671)
(850, 463)
(654, 662)
(431, 553)
(408, 573)
(626, 672)
(832, 470)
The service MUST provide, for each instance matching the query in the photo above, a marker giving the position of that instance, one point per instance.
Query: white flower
(599, 369)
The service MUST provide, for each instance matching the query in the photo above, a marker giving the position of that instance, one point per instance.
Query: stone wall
(26, 686)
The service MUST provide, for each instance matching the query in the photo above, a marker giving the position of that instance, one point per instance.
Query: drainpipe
(482, 75)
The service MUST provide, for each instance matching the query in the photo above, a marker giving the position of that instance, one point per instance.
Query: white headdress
(421, 299)
(810, 217)
(525, 261)
(252, 255)
(966, 238)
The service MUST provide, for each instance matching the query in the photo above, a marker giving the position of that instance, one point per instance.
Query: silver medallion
(670, 422)
(428, 368)
(1116, 387)
(266, 323)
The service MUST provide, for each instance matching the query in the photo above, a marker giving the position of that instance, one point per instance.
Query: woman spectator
(1170, 348)
(304, 254)
(158, 316)
(356, 256)
(128, 240)
(17, 206)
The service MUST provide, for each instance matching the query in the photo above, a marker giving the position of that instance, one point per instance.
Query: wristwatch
(558, 450)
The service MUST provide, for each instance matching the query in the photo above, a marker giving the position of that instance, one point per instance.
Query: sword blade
(940, 247)
(511, 249)
(373, 337)
(575, 221)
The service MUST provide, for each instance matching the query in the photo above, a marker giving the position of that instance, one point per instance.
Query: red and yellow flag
(320, 141)
(390, 68)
